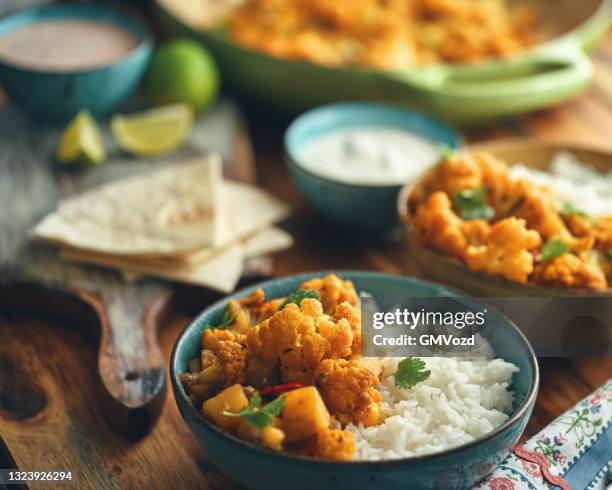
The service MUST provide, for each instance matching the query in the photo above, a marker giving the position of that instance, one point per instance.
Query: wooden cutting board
(122, 316)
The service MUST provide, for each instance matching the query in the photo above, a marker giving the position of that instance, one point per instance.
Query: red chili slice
(276, 390)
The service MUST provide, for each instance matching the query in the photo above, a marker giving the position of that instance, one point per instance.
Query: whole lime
(182, 71)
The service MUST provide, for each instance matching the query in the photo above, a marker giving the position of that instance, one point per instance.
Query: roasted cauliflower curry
(286, 373)
(389, 34)
(471, 208)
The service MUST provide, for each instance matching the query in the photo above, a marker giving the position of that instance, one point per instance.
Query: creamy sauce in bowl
(369, 155)
(66, 45)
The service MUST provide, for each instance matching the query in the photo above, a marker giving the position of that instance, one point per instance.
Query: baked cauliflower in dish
(389, 35)
(472, 208)
(286, 373)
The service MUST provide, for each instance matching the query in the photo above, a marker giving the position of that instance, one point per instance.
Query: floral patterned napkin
(575, 451)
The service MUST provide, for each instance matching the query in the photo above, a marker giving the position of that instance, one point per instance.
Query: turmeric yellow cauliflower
(336, 444)
(570, 271)
(349, 391)
(300, 337)
(231, 352)
(521, 218)
(395, 34)
(439, 226)
(507, 252)
(332, 291)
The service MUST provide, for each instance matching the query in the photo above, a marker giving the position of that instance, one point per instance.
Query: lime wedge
(81, 141)
(153, 132)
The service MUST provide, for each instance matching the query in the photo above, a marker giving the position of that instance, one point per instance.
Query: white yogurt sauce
(379, 155)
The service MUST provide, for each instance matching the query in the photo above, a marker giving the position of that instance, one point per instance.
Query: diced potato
(231, 399)
(304, 414)
(272, 438)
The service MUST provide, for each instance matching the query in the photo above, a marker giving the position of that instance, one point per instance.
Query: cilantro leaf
(447, 152)
(257, 416)
(225, 320)
(297, 297)
(275, 407)
(609, 253)
(553, 249)
(568, 209)
(410, 371)
(471, 204)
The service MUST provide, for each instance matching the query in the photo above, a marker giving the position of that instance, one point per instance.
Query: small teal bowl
(368, 208)
(459, 468)
(56, 96)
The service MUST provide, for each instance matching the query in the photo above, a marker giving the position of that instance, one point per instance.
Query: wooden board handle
(124, 320)
(130, 361)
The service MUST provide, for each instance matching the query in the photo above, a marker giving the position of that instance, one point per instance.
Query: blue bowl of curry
(255, 466)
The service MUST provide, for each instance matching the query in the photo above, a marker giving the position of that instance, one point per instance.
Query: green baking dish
(555, 70)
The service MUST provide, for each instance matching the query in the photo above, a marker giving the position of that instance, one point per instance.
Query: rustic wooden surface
(50, 416)
(125, 314)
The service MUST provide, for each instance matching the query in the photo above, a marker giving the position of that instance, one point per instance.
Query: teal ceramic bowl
(56, 96)
(459, 468)
(365, 208)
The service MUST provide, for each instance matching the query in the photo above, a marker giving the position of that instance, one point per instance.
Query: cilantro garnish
(609, 253)
(447, 152)
(410, 371)
(553, 249)
(568, 209)
(298, 296)
(471, 204)
(257, 416)
(225, 320)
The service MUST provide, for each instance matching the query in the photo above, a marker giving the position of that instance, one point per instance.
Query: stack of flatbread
(183, 222)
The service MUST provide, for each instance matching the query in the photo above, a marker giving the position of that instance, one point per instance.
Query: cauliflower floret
(539, 209)
(230, 349)
(503, 191)
(335, 444)
(348, 389)
(353, 315)
(602, 231)
(457, 172)
(578, 225)
(332, 291)
(300, 337)
(290, 336)
(438, 225)
(570, 271)
(507, 252)
(251, 310)
(476, 231)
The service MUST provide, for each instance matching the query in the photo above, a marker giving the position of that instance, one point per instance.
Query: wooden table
(48, 403)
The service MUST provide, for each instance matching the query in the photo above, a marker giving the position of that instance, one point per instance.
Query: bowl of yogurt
(349, 160)
(58, 59)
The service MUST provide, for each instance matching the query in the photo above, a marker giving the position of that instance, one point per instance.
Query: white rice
(461, 400)
(574, 182)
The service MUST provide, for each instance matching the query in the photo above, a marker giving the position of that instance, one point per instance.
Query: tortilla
(179, 213)
(220, 272)
(172, 209)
